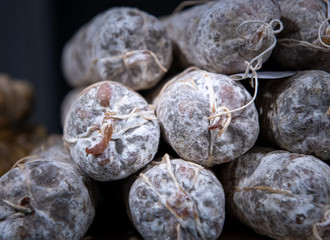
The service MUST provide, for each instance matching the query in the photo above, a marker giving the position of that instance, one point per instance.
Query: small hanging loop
(327, 35)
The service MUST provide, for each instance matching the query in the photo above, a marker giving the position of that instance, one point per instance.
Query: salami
(46, 196)
(220, 36)
(111, 131)
(122, 44)
(305, 42)
(193, 110)
(177, 199)
(295, 115)
(279, 194)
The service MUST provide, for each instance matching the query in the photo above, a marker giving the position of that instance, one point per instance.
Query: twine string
(319, 32)
(20, 163)
(255, 64)
(17, 207)
(184, 4)
(125, 58)
(145, 115)
(325, 224)
(152, 54)
(163, 199)
(288, 42)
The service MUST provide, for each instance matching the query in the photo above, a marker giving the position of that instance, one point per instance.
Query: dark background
(33, 34)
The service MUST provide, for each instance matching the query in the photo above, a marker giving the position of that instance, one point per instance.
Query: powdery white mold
(184, 107)
(67, 101)
(177, 199)
(121, 44)
(279, 194)
(305, 40)
(111, 131)
(220, 36)
(46, 197)
(295, 113)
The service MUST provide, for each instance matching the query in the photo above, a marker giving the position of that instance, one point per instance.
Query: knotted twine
(107, 123)
(163, 199)
(290, 42)
(252, 66)
(323, 224)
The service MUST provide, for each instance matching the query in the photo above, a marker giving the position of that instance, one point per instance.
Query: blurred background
(33, 34)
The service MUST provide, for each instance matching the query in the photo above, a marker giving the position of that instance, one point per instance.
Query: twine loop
(323, 224)
(325, 46)
(255, 64)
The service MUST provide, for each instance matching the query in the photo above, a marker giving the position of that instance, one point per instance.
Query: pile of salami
(214, 116)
